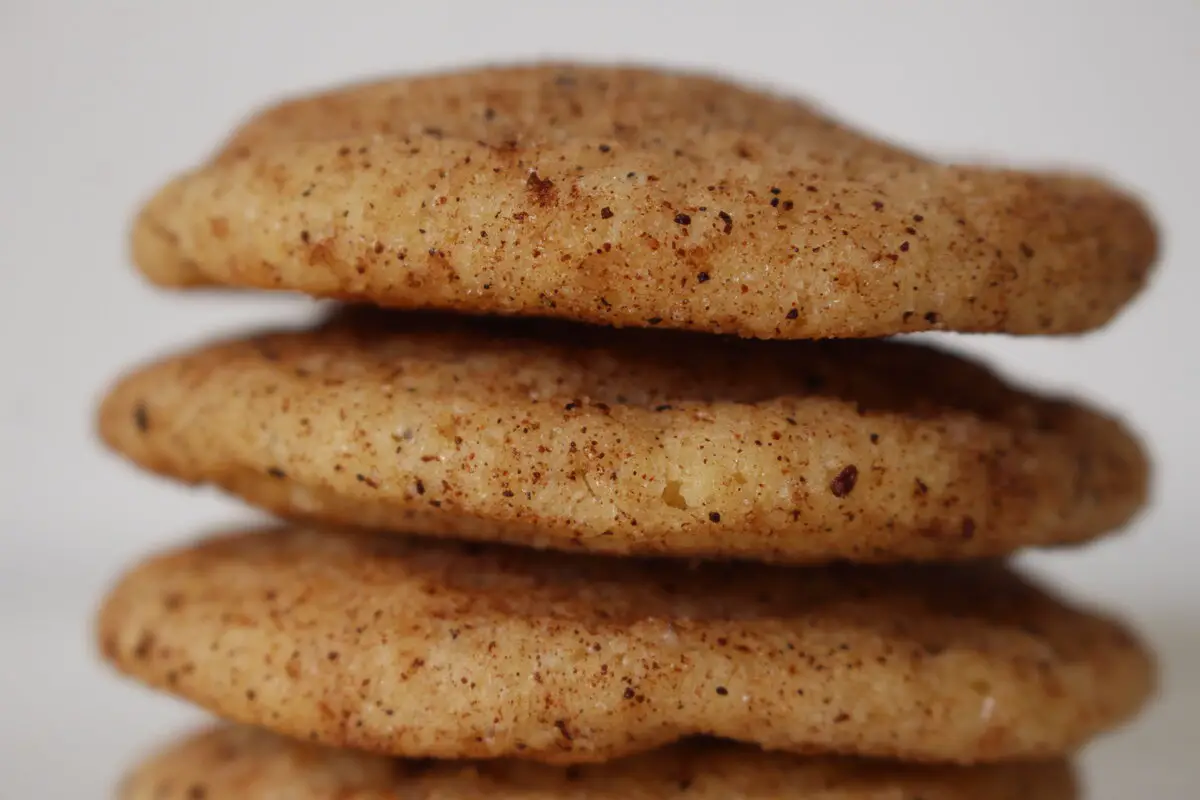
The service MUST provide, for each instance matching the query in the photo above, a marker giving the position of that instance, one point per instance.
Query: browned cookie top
(631, 441)
(638, 197)
(417, 647)
(248, 764)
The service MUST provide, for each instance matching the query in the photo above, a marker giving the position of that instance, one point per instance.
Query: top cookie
(635, 197)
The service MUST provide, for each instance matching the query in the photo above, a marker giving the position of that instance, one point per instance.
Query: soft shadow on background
(101, 101)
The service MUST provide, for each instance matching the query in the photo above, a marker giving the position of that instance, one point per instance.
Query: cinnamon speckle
(144, 646)
(843, 483)
(541, 190)
(141, 417)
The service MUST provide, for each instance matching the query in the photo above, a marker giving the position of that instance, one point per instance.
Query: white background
(100, 101)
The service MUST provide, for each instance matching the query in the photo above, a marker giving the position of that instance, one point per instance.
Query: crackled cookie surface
(631, 441)
(414, 647)
(636, 197)
(249, 764)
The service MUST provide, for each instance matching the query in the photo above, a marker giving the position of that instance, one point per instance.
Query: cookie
(421, 648)
(631, 441)
(635, 197)
(249, 764)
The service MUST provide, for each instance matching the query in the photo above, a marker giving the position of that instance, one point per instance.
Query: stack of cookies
(560, 522)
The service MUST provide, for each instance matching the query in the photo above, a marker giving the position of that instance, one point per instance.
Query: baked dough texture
(634, 441)
(417, 648)
(248, 764)
(638, 197)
